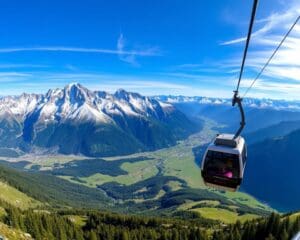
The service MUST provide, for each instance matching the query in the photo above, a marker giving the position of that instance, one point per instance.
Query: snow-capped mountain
(75, 102)
(77, 120)
(247, 102)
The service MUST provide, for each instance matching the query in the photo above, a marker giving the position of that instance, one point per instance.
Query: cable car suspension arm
(236, 98)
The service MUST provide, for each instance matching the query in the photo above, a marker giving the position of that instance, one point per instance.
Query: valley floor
(160, 182)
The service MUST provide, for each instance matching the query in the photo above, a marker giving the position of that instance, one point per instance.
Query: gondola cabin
(224, 161)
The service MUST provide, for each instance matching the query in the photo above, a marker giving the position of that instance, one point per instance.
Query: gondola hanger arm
(238, 100)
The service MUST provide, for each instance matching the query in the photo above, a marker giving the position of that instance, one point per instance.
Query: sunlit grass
(78, 220)
(16, 198)
(223, 215)
(12, 233)
(190, 204)
(137, 171)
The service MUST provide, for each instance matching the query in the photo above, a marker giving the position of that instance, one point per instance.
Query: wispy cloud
(125, 55)
(152, 84)
(283, 74)
(275, 23)
(17, 65)
(71, 67)
(281, 79)
(128, 58)
(144, 52)
(14, 74)
(13, 77)
(264, 87)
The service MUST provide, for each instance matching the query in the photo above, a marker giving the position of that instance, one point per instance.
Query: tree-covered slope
(52, 190)
(104, 225)
(272, 171)
(273, 131)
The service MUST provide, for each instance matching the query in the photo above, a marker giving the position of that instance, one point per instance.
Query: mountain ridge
(94, 123)
(248, 102)
(274, 162)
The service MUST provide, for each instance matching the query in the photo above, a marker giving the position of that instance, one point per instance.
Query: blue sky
(152, 47)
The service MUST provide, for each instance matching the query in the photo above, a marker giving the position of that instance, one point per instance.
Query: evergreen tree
(270, 237)
(284, 235)
(125, 235)
(92, 236)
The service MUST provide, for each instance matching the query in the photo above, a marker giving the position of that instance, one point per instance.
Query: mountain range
(248, 102)
(75, 120)
(260, 113)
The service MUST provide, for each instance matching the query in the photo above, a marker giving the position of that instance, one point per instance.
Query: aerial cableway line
(224, 161)
(273, 54)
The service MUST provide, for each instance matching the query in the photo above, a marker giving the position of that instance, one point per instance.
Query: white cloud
(152, 84)
(14, 74)
(71, 67)
(144, 52)
(17, 65)
(276, 22)
(282, 76)
(128, 58)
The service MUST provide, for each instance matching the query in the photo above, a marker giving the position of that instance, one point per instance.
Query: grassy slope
(77, 219)
(13, 234)
(223, 215)
(137, 171)
(16, 198)
(50, 189)
(211, 210)
(294, 216)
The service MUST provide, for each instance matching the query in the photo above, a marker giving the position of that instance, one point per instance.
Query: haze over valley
(143, 149)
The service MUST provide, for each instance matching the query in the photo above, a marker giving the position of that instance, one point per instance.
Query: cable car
(224, 162)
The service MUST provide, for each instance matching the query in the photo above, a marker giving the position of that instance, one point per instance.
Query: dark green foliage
(274, 227)
(104, 225)
(113, 226)
(87, 138)
(99, 225)
(88, 167)
(53, 190)
(153, 186)
(43, 225)
(275, 163)
(181, 196)
(61, 193)
(19, 164)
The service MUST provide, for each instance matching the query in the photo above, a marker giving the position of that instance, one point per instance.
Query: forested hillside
(275, 163)
(93, 225)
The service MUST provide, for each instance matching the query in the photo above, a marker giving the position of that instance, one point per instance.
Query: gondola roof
(227, 140)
